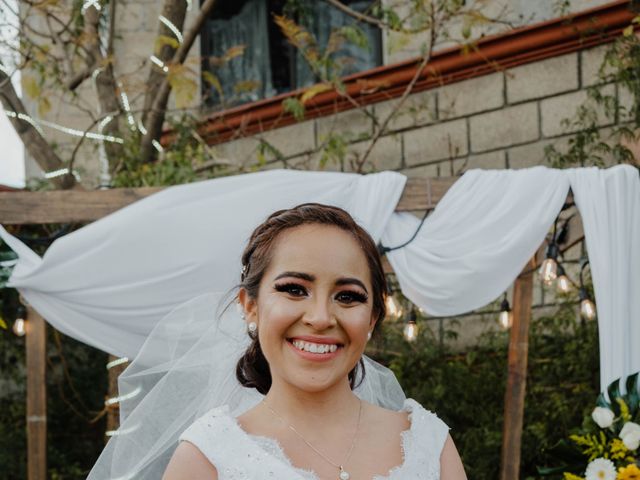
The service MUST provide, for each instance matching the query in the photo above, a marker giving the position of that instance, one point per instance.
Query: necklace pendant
(343, 474)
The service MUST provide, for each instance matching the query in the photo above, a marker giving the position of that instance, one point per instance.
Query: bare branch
(33, 141)
(156, 115)
(361, 17)
(405, 94)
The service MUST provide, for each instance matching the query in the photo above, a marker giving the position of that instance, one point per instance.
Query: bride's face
(314, 307)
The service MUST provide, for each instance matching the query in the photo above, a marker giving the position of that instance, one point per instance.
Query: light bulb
(411, 331)
(563, 284)
(505, 319)
(587, 309)
(393, 309)
(19, 327)
(548, 271)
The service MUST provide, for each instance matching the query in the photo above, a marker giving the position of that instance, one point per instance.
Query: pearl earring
(252, 327)
(368, 336)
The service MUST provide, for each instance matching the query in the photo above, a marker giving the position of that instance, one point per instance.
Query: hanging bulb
(505, 319)
(563, 284)
(587, 307)
(411, 328)
(549, 268)
(20, 325)
(393, 308)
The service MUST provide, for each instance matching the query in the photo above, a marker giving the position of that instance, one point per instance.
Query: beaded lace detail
(240, 456)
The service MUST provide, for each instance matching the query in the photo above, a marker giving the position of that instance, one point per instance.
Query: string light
(25, 118)
(141, 128)
(116, 362)
(63, 129)
(394, 310)
(91, 3)
(505, 319)
(126, 106)
(587, 307)
(563, 284)
(411, 329)
(157, 146)
(549, 268)
(112, 401)
(20, 325)
(171, 27)
(121, 431)
(159, 63)
(60, 173)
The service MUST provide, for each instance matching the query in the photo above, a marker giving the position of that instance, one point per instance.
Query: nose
(319, 315)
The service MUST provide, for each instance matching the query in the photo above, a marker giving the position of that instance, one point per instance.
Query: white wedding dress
(240, 456)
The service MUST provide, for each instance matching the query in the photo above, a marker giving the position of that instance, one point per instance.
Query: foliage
(591, 145)
(466, 389)
(74, 398)
(177, 165)
(592, 441)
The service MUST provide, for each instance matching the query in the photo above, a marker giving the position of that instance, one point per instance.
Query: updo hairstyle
(252, 369)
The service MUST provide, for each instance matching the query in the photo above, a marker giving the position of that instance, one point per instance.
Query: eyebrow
(310, 278)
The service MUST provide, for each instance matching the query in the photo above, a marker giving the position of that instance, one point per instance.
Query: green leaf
(3, 324)
(295, 107)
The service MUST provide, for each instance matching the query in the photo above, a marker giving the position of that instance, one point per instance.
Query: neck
(337, 404)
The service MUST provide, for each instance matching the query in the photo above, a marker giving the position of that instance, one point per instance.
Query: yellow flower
(630, 472)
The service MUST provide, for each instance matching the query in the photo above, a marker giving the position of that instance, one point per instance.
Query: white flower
(603, 417)
(630, 435)
(601, 469)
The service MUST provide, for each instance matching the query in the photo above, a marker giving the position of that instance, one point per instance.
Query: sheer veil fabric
(185, 368)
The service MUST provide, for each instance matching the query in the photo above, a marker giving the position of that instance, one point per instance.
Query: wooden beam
(62, 206)
(517, 373)
(36, 396)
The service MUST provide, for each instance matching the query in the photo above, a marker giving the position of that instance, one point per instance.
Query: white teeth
(314, 347)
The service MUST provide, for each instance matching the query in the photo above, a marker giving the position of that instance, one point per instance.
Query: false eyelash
(355, 296)
(286, 287)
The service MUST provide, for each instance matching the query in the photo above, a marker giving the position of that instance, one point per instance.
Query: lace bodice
(240, 456)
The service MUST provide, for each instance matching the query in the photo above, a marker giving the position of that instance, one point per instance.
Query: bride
(312, 293)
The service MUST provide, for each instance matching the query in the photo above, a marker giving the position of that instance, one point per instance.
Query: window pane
(350, 58)
(245, 77)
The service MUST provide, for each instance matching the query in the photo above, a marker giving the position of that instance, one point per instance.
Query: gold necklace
(343, 474)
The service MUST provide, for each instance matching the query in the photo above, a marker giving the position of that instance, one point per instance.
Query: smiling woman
(312, 292)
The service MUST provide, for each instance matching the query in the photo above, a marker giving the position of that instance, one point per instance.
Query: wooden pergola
(420, 194)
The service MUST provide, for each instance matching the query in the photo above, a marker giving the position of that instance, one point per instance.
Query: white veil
(185, 368)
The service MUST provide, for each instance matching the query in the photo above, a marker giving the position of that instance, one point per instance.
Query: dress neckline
(409, 406)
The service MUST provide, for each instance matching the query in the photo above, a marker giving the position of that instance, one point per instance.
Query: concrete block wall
(500, 120)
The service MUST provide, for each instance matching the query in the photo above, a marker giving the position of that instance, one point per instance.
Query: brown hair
(252, 369)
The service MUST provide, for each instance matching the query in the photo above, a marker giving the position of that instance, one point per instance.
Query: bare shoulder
(189, 463)
(389, 421)
(451, 467)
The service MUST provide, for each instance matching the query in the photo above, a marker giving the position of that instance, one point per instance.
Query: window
(269, 65)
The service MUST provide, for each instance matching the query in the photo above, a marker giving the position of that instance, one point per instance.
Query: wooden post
(517, 376)
(36, 338)
(113, 411)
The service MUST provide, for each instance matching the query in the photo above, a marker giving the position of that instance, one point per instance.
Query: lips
(314, 347)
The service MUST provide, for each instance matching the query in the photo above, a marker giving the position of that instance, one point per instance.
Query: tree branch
(33, 141)
(157, 112)
(175, 11)
(405, 94)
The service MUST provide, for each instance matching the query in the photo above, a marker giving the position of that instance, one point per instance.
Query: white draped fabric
(109, 283)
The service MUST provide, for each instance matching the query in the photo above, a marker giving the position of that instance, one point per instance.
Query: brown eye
(293, 289)
(348, 297)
